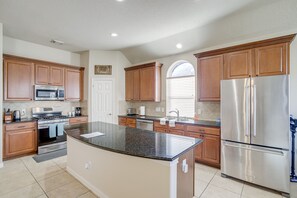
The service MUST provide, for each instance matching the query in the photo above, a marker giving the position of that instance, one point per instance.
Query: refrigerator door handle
(255, 109)
(247, 110)
(263, 149)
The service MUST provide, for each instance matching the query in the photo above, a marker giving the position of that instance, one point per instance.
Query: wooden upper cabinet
(132, 84)
(49, 75)
(136, 84)
(42, 74)
(73, 84)
(143, 82)
(129, 79)
(209, 77)
(238, 64)
(18, 79)
(271, 60)
(261, 58)
(57, 76)
(147, 83)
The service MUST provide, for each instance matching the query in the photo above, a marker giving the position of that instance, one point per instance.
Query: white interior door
(102, 100)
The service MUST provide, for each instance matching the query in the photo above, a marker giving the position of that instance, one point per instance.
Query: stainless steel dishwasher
(145, 124)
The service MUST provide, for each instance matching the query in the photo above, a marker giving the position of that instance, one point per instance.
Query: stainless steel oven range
(50, 125)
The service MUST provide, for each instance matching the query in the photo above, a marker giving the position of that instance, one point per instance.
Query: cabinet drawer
(162, 129)
(158, 125)
(130, 121)
(176, 132)
(177, 127)
(207, 130)
(122, 120)
(78, 120)
(18, 126)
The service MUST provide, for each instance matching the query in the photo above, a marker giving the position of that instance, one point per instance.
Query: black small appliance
(77, 111)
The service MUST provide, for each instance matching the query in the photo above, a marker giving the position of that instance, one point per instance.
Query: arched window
(181, 89)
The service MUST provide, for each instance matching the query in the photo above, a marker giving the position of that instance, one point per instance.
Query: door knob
(109, 114)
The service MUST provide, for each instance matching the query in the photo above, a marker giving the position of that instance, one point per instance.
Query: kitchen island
(126, 162)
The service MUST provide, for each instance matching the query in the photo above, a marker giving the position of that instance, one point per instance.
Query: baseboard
(95, 190)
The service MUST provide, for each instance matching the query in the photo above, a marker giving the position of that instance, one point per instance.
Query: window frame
(168, 77)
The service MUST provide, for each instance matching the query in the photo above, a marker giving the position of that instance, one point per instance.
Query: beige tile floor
(23, 177)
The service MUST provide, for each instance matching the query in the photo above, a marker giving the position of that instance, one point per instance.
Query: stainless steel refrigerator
(255, 130)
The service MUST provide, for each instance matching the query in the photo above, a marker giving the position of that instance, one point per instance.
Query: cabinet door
(129, 78)
(136, 84)
(210, 75)
(122, 121)
(211, 149)
(18, 80)
(176, 132)
(42, 74)
(73, 84)
(271, 60)
(147, 84)
(238, 64)
(199, 147)
(57, 76)
(131, 122)
(20, 142)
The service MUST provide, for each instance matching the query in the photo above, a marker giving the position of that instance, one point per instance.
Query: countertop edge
(155, 118)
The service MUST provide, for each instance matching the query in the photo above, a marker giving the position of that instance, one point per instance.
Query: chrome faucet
(176, 111)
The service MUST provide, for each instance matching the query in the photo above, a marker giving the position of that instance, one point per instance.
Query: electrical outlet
(158, 109)
(23, 113)
(199, 111)
(163, 109)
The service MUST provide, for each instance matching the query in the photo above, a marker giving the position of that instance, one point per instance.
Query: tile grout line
(23, 186)
(34, 177)
(208, 184)
(242, 189)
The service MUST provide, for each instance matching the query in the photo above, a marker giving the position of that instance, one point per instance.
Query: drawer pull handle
(21, 127)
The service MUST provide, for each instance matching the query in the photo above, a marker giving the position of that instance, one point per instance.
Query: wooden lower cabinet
(211, 149)
(78, 120)
(129, 122)
(19, 139)
(208, 151)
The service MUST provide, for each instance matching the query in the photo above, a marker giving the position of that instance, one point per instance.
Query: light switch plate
(23, 113)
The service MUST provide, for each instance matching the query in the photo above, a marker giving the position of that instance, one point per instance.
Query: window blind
(181, 95)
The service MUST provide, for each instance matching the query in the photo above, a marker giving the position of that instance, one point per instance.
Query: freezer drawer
(259, 165)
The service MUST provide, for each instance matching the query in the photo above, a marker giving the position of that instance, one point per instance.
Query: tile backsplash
(209, 110)
(64, 106)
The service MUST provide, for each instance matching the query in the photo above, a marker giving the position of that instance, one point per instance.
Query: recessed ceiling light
(54, 41)
(114, 34)
(179, 46)
(120, 0)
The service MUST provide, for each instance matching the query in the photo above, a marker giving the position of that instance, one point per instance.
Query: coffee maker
(77, 111)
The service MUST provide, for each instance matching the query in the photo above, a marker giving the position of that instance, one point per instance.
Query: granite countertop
(205, 123)
(132, 141)
(21, 121)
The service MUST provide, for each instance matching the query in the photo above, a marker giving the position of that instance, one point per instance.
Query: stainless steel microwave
(45, 92)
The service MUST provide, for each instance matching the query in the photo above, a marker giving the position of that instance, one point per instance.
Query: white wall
(1, 91)
(273, 17)
(118, 62)
(31, 50)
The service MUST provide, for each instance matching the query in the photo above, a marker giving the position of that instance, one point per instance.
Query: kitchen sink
(180, 119)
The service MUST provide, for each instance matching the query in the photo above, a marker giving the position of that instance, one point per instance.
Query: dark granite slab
(21, 121)
(132, 141)
(189, 121)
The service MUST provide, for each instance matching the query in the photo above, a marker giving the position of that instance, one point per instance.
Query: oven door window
(46, 93)
(44, 139)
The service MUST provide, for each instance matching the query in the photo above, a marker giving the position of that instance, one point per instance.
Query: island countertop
(132, 141)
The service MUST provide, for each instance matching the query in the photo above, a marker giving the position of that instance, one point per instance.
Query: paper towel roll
(142, 110)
